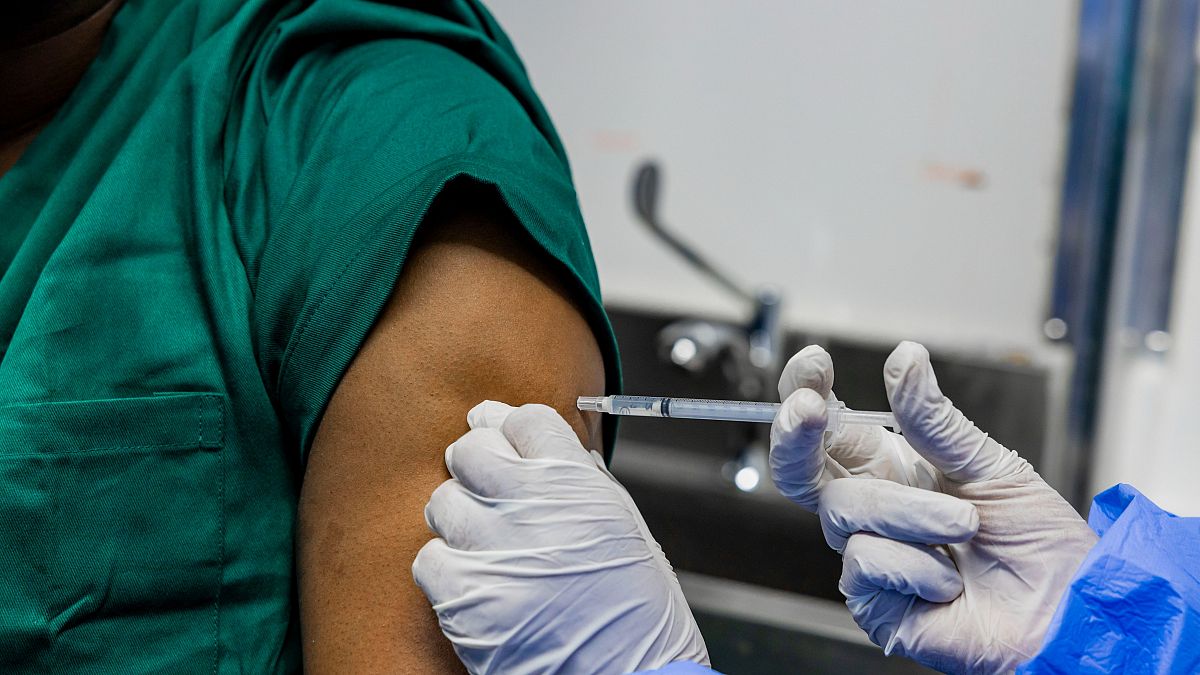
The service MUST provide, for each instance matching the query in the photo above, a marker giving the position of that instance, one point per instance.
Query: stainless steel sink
(752, 630)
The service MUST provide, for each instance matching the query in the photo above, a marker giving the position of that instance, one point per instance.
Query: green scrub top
(192, 252)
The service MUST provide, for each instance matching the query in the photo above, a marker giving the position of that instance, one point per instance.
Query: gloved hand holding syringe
(731, 411)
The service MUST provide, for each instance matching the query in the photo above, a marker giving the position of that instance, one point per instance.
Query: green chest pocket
(111, 530)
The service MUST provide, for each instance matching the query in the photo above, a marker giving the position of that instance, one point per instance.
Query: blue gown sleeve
(1134, 604)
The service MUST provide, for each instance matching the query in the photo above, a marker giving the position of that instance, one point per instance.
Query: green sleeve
(359, 141)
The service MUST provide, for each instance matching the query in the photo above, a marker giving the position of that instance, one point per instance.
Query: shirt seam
(297, 340)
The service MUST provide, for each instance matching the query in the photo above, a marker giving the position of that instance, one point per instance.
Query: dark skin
(479, 312)
(45, 48)
(476, 315)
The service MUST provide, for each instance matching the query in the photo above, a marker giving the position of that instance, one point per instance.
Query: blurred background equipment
(1004, 182)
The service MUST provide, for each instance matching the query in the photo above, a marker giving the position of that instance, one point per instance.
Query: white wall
(1148, 435)
(821, 145)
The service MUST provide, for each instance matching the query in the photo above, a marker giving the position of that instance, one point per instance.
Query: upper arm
(477, 314)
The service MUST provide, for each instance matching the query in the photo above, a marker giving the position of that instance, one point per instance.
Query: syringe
(730, 411)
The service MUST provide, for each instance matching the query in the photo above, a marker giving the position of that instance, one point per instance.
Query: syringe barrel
(733, 411)
(637, 406)
(706, 409)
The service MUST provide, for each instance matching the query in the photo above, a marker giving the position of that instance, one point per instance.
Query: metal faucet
(748, 354)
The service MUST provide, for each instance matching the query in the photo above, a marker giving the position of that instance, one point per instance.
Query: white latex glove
(962, 573)
(544, 564)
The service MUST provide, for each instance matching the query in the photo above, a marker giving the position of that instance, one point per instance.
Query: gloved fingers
(809, 368)
(871, 564)
(458, 516)
(935, 428)
(488, 415)
(445, 574)
(482, 460)
(895, 511)
(799, 463)
(539, 432)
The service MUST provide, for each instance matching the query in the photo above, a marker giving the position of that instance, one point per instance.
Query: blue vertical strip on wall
(1091, 189)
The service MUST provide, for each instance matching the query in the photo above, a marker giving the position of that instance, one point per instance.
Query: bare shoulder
(479, 312)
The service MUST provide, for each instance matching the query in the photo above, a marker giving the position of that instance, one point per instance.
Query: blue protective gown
(1134, 604)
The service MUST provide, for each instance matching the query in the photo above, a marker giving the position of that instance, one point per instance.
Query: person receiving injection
(955, 552)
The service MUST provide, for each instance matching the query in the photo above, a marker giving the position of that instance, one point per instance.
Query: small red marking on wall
(971, 179)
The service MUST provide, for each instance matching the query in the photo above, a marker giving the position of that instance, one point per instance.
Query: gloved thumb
(539, 432)
(799, 464)
(809, 368)
(935, 428)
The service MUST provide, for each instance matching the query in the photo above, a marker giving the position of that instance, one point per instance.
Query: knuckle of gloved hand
(791, 466)
(470, 445)
(439, 502)
(855, 568)
(835, 535)
(794, 480)
(536, 415)
(860, 609)
(965, 525)
(476, 439)
(488, 413)
(428, 564)
(803, 494)
(837, 501)
(536, 422)
(805, 499)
